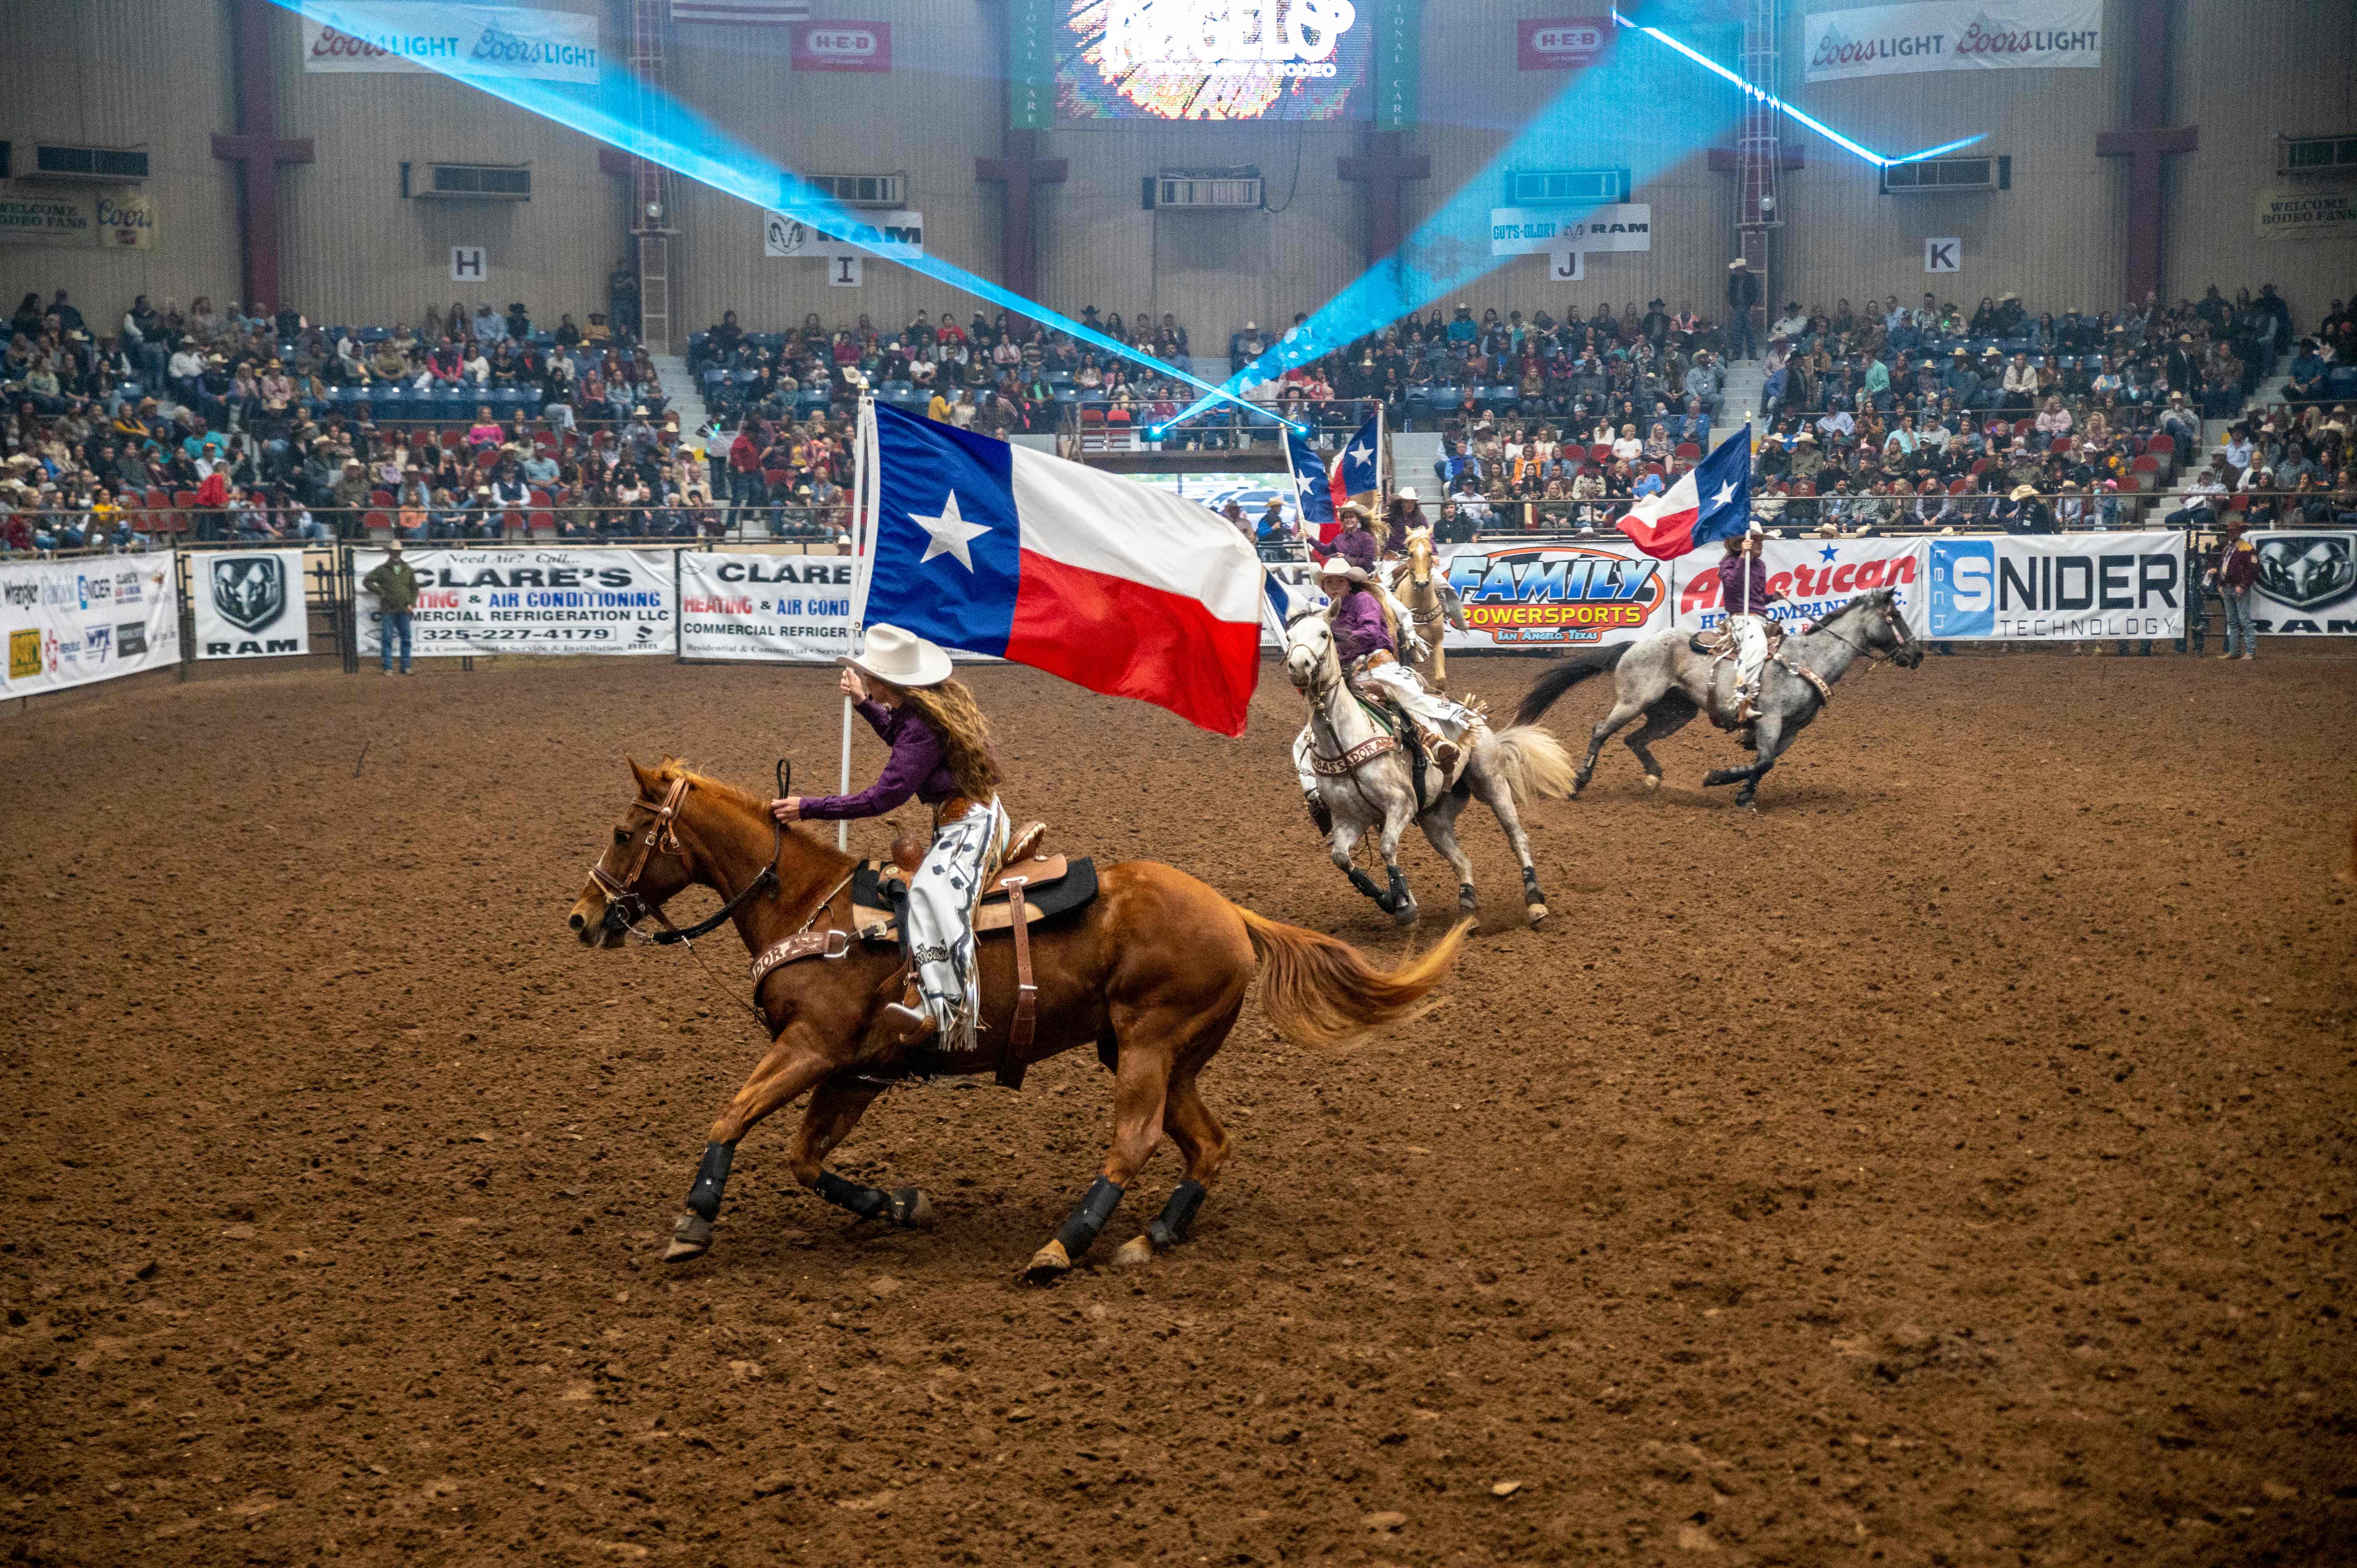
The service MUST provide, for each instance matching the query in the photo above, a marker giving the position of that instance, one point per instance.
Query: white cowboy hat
(1406, 493)
(1341, 566)
(2023, 493)
(900, 658)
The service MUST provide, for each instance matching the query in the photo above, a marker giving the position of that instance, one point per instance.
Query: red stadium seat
(2163, 444)
(2147, 464)
(1958, 487)
(1603, 453)
(380, 497)
(1688, 450)
(452, 440)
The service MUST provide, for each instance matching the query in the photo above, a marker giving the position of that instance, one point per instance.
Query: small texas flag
(1712, 501)
(1112, 586)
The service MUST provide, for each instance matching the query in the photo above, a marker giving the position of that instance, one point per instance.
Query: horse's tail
(1533, 763)
(1564, 676)
(1320, 990)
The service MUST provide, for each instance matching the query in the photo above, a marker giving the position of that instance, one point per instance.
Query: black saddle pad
(1075, 890)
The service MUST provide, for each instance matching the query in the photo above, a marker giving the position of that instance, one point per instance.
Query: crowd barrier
(74, 620)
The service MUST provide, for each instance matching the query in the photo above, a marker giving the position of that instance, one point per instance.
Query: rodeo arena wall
(73, 621)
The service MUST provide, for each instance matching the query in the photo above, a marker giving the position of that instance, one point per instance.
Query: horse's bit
(1890, 617)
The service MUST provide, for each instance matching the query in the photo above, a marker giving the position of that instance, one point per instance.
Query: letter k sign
(1944, 255)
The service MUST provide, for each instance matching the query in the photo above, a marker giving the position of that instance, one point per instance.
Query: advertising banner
(792, 610)
(1561, 43)
(250, 605)
(530, 601)
(899, 235)
(63, 218)
(842, 45)
(1954, 35)
(69, 623)
(427, 36)
(1819, 576)
(2043, 587)
(2307, 584)
(1556, 595)
(1538, 231)
(1214, 59)
(2288, 213)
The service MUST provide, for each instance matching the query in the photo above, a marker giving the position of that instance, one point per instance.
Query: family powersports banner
(1954, 35)
(250, 605)
(69, 623)
(530, 601)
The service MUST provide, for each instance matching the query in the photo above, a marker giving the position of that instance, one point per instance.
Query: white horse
(1363, 779)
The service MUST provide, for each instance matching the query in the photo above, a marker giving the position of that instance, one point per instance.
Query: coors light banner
(416, 35)
(1954, 35)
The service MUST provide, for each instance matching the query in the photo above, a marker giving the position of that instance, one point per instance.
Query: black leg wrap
(704, 1197)
(1465, 894)
(1399, 894)
(1171, 1226)
(1531, 894)
(867, 1202)
(1090, 1218)
(1366, 885)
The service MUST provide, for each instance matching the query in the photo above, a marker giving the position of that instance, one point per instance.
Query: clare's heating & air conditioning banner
(249, 604)
(530, 601)
(1952, 35)
(71, 622)
(792, 609)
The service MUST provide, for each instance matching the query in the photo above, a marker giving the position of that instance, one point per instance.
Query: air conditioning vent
(469, 182)
(1948, 177)
(889, 190)
(1230, 190)
(94, 165)
(1566, 186)
(2315, 154)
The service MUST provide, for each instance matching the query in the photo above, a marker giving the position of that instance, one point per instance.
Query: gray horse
(1666, 680)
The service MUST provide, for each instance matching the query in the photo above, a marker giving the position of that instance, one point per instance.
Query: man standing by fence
(394, 583)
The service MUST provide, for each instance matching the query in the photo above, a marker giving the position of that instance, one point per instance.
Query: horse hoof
(1653, 782)
(1048, 1265)
(1536, 913)
(1135, 1253)
(912, 1208)
(1576, 785)
(689, 1238)
(1405, 915)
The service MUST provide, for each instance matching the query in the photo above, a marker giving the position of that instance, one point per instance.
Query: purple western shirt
(915, 767)
(1734, 581)
(1358, 623)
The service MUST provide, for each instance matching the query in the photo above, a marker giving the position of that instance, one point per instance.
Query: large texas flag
(1713, 500)
(997, 549)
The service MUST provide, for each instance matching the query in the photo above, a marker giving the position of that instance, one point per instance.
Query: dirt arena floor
(1950, 1164)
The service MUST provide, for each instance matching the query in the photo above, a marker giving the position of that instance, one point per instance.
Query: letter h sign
(467, 264)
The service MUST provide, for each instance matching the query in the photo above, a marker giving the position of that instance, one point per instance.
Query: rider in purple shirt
(915, 767)
(1743, 594)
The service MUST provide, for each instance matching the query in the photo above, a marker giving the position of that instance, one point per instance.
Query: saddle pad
(872, 913)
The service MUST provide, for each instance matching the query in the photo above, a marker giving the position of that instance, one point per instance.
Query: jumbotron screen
(1213, 59)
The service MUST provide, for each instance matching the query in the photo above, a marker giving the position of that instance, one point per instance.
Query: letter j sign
(1944, 255)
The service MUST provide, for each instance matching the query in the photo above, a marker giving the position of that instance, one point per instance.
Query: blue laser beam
(626, 113)
(1279, 359)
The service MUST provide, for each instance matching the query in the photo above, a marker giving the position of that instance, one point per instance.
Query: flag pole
(863, 534)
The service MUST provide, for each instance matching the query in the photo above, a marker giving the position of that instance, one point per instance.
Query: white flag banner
(2307, 582)
(414, 36)
(1954, 35)
(529, 601)
(788, 609)
(69, 623)
(249, 604)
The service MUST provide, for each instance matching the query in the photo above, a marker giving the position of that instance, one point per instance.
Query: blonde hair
(949, 708)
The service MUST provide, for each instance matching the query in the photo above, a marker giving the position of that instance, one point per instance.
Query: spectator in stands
(1742, 295)
(2202, 499)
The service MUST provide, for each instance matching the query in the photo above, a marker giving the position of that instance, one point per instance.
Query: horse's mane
(1853, 603)
(672, 767)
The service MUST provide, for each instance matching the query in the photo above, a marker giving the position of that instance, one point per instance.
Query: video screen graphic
(1213, 59)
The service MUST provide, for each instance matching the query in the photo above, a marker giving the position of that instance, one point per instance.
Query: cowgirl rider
(942, 755)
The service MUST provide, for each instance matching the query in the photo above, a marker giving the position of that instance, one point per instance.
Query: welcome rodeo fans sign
(531, 601)
(68, 623)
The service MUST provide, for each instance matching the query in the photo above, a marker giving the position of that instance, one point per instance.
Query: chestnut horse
(1153, 973)
(1432, 605)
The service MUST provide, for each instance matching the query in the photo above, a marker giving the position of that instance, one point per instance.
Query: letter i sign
(1944, 255)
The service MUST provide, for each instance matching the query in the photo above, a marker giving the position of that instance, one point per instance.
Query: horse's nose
(576, 919)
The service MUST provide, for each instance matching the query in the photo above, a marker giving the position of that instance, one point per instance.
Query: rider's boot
(1319, 817)
(1439, 747)
(910, 1020)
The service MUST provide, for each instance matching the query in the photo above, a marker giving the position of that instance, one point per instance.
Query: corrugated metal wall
(2247, 72)
(355, 252)
(118, 74)
(157, 72)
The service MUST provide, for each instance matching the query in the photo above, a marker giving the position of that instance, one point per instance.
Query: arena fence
(72, 619)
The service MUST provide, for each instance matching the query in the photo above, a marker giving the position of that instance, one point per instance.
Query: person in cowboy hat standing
(1743, 592)
(942, 755)
(1361, 633)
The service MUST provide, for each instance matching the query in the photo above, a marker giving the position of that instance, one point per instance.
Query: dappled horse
(1368, 783)
(1668, 680)
(1153, 973)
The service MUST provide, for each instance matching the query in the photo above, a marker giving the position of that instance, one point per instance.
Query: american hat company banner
(249, 604)
(1813, 576)
(71, 622)
(1954, 35)
(531, 601)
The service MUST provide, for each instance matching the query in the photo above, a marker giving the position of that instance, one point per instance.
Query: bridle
(1891, 619)
(626, 907)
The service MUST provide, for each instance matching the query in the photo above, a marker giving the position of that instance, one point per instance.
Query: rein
(1891, 618)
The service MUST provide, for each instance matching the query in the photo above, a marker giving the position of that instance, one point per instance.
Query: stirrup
(1443, 751)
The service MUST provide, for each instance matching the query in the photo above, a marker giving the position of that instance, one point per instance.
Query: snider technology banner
(68, 623)
(2055, 588)
(530, 601)
(1954, 35)
(249, 604)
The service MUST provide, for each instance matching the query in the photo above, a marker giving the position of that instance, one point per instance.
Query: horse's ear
(646, 780)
